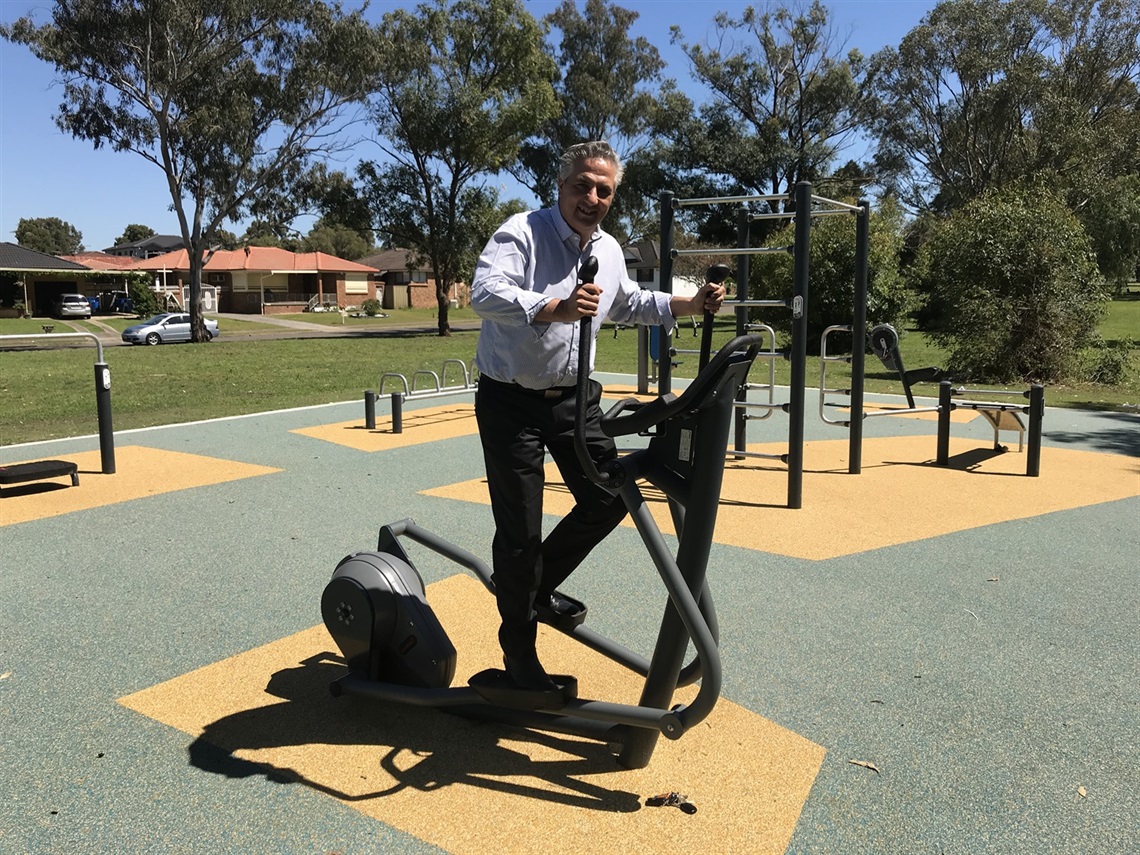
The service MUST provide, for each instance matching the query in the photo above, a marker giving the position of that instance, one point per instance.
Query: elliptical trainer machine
(395, 649)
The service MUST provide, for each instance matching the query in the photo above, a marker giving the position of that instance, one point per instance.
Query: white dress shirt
(533, 258)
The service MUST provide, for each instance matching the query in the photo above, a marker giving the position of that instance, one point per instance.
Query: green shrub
(144, 301)
(371, 307)
(1015, 285)
(831, 274)
(1109, 364)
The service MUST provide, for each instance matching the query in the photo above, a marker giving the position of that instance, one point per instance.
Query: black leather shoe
(557, 609)
(527, 673)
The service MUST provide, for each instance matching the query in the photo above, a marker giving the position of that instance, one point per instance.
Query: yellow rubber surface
(139, 472)
(901, 495)
(456, 783)
(419, 426)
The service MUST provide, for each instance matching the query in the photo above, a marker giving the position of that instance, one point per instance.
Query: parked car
(166, 328)
(71, 306)
(113, 303)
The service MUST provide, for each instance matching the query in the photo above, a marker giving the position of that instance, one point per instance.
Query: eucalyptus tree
(234, 100)
(460, 86)
(607, 89)
(981, 96)
(785, 98)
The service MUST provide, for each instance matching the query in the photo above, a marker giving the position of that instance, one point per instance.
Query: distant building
(147, 247)
(406, 285)
(265, 280)
(30, 281)
(643, 264)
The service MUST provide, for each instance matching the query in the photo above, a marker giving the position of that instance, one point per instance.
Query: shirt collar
(562, 228)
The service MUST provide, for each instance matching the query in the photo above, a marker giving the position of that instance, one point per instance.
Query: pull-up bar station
(804, 206)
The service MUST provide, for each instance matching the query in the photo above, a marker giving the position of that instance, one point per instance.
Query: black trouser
(516, 427)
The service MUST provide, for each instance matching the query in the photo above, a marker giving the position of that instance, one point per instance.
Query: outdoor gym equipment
(800, 206)
(396, 651)
(1001, 416)
(102, 402)
(406, 391)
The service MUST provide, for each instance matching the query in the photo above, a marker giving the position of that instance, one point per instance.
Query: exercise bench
(18, 473)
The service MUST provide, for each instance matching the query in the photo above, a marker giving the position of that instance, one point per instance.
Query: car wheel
(152, 338)
(208, 336)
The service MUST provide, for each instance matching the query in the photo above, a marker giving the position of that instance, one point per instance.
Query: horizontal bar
(783, 458)
(855, 208)
(755, 250)
(743, 304)
(756, 405)
(58, 336)
(830, 212)
(993, 406)
(870, 413)
(772, 215)
(423, 394)
(725, 200)
(962, 390)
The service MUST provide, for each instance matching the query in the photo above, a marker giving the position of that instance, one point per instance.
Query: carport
(47, 276)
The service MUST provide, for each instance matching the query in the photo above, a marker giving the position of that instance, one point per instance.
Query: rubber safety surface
(479, 788)
(901, 495)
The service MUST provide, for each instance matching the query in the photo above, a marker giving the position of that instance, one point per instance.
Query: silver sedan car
(166, 328)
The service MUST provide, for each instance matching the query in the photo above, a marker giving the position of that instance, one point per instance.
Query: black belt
(553, 393)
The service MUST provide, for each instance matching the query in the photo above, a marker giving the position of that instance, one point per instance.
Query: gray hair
(595, 149)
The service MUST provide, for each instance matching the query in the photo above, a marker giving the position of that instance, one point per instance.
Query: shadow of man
(427, 750)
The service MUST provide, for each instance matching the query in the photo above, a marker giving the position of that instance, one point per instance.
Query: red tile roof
(260, 258)
(101, 260)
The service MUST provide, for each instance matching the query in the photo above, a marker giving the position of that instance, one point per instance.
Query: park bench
(18, 473)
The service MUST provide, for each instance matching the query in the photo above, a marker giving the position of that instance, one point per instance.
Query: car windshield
(157, 319)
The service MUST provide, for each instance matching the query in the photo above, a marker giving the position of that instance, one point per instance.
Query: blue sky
(45, 173)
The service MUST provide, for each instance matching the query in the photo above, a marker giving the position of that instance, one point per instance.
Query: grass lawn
(49, 393)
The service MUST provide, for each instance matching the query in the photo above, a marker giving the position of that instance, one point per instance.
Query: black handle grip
(715, 274)
(586, 273)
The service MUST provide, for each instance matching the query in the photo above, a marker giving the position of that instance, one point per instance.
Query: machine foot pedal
(494, 686)
(562, 612)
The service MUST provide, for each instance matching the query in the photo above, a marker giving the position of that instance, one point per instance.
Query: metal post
(103, 407)
(799, 345)
(743, 272)
(369, 409)
(1036, 417)
(859, 337)
(397, 412)
(664, 359)
(945, 405)
(642, 360)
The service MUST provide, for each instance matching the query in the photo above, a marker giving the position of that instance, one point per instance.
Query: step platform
(494, 686)
(20, 473)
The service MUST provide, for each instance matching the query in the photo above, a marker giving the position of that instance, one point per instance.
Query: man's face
(584, 198)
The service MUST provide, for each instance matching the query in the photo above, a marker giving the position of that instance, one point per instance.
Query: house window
(419, 276)
(217, 278)
(645, 274)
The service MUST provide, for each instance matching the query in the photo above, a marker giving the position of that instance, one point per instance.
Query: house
(147, 247)
(31, 281)
(643, 264)
(405, 285)
(265, 280)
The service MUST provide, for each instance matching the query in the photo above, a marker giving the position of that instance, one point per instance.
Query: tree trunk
(443, 302)
(197, 325)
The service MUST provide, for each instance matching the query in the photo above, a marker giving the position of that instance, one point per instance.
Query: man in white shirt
(527, 292)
